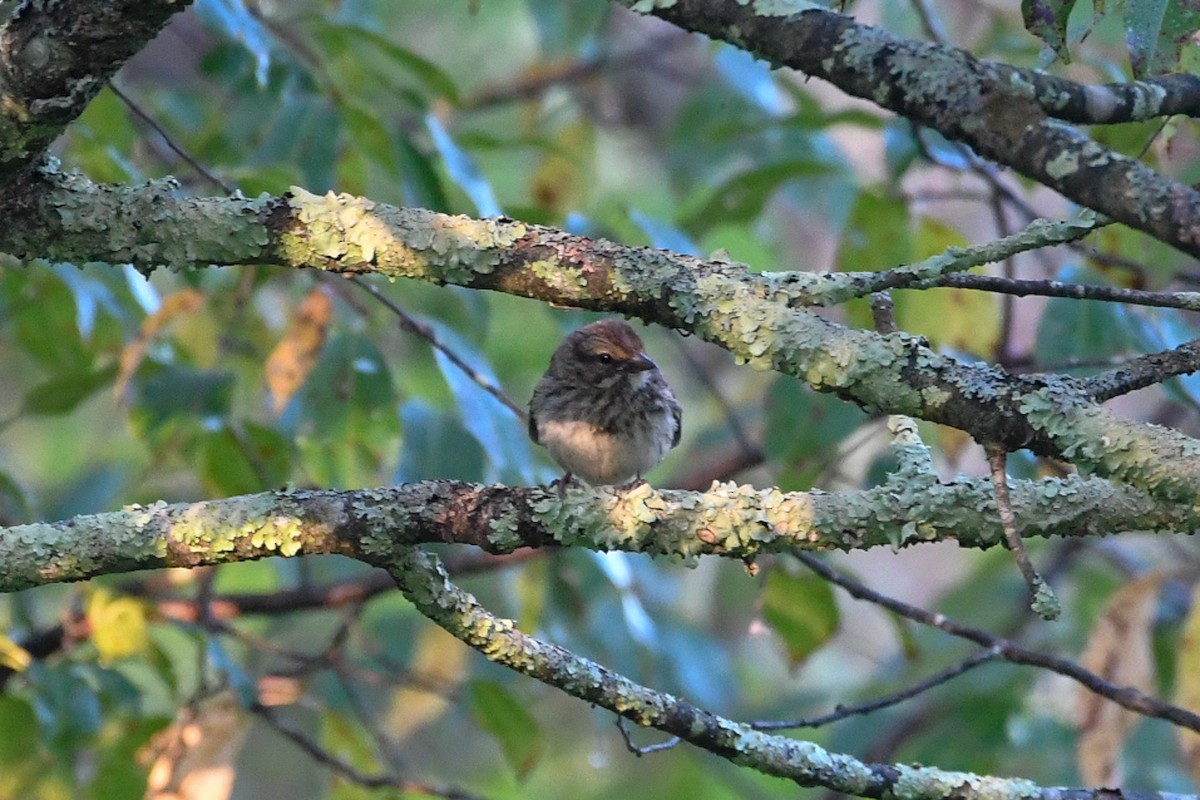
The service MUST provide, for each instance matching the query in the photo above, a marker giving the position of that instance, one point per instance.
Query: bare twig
(1187, 301)
(1125, 696)
(349, 772)
(169, 140)
(1041, 595)
(841, 712)
(412, 325)
(640, 751)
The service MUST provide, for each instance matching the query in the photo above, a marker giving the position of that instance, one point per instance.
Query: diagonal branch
(1001, 112)
(423, 581)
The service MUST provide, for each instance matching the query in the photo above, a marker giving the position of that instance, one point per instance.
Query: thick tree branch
(1001, 112)
(54, 58)
(733, 521)
(753, 316)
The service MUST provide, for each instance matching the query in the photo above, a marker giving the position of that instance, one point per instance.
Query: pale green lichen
(917, 783)
(502, 531)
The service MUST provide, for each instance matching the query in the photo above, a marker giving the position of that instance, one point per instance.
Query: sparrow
(603, 409)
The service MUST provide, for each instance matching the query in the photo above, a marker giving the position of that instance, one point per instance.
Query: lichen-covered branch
(729, 520)
(753, 316)
(54, 58)
(426, 584)
(1003, 113)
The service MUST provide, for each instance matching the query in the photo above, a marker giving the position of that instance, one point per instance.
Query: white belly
(598, 457)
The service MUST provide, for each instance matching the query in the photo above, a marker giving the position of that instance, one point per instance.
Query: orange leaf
(173, 305)
(1118, 650)
(296, 354)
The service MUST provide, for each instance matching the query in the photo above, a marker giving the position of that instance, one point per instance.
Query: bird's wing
(533, 428)
(677, 413)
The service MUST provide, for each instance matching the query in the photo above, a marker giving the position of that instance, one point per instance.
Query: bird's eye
(605, 358)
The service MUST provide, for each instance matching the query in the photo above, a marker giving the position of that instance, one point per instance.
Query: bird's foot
(637, 482)
(562, 483)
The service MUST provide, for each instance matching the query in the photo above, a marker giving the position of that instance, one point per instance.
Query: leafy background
(579, 115)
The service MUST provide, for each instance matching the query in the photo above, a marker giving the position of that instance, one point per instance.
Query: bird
(603, 409)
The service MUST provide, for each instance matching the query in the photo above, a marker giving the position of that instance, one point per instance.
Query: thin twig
(1187, 301)
(1124, 696)
(1146, 370)
(427, 333)
(322, 756)
(1041, 596)
(174, 146)
(841, 712)
(640, 751)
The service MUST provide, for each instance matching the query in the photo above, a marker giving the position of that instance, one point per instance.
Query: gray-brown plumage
(603, 409)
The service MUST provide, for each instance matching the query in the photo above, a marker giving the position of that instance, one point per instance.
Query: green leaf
(1047, 20)
(1156, 32)
(14, 505)
(878, 234)
(19, 742)
(741, 199)
(499, 713)
(251, 459)
(166, 392)
(801, 610)
(804, 430)
(62, 393)
(1072, 330)
(47, 325)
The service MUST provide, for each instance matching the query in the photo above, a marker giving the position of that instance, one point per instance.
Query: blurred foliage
(580, 115)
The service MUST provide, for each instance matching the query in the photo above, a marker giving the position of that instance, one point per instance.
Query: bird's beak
(640, 363)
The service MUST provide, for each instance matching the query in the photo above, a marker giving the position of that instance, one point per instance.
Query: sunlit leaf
(232, 18)
(294, 357)
(118, 626)
(1118, 650)
(499, 713)
(13, 657)
(960, 319)
(462, 169)
(801, 610)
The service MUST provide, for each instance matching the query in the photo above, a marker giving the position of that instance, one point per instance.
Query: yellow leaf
(294, 357)
(174, 305)
(438, 668)
(12, 656)
(1187, 685)
(1118, 650)
(118, 626)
